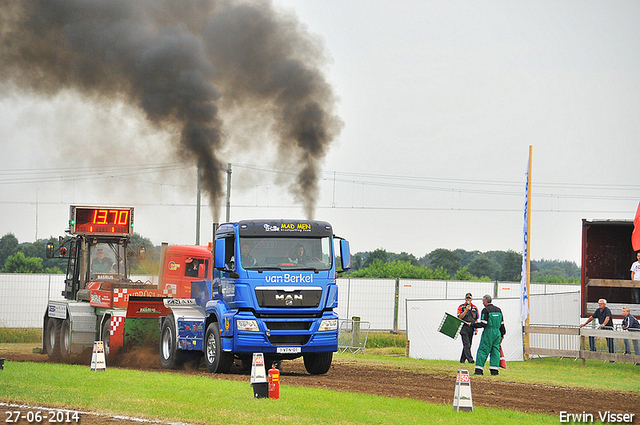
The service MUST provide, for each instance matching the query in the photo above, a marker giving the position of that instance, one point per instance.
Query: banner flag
(635, 236)
(524, 294)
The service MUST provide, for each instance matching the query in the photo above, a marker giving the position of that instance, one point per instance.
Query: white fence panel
(425, 342)
(437, 289)
(24, 297)
(370, 299)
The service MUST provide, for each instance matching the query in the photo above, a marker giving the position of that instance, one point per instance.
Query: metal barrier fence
(380, 302)
(573, 342)
(353, 335)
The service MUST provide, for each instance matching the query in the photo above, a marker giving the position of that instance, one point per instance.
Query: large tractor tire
(65, 339)
(52, 338)
(106, 339)
(170, 356)
(217, 360)
(317, 363)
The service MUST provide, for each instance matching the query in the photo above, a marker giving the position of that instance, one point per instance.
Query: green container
(450, 325)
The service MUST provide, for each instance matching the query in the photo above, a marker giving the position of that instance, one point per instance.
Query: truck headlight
(329, 325)
(247, 325)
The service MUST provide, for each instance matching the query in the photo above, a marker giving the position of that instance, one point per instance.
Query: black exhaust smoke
(182, 63)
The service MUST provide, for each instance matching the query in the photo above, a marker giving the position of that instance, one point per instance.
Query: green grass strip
(198, 399)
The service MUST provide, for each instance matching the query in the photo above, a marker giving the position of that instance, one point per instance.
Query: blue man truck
(273, 291)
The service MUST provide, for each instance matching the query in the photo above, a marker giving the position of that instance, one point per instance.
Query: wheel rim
(167, 342)
(211, 348)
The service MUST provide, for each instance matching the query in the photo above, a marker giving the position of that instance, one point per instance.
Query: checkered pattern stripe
(122, 294)
(115, 322)
(119, 294)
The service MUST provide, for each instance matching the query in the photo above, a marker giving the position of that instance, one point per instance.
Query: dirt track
(350, 376)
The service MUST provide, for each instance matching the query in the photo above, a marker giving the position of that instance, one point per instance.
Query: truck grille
(288, 298)
(288, 326)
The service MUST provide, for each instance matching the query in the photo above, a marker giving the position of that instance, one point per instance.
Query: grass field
(201, 399)
(197, 399)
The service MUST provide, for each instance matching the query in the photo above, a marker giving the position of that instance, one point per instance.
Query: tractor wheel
(317, 363)
(106, 339)
(52, 338)
(65, 340)
(217, 360)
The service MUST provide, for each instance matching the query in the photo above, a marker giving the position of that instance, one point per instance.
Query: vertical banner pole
(525, 282)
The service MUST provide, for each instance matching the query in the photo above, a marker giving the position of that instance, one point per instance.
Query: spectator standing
(605, 321)
(630, 324)
(469, 314)
(635, 276)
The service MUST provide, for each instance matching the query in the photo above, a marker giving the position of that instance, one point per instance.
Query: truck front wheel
(317, 363)
(216, 359)
(52, 338)
(170, 356)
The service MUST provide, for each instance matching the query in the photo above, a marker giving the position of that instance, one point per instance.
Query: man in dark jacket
(469, 314)
(605, 321)
(494, 331)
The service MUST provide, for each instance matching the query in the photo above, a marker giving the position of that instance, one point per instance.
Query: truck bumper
(286, 336)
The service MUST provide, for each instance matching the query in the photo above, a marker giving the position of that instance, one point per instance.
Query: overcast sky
(440, 103)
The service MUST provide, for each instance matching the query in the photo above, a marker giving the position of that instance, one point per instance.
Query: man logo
(289, 298)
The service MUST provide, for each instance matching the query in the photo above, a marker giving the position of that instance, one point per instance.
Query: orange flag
(635, 236)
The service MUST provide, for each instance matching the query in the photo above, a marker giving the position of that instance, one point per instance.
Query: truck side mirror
(219, 254)
(345, 254)
(142, 252)
(49, 250)
(201, 271)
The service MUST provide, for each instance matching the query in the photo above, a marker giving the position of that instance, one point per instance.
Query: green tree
(463, 274)
(404, 256)
(448, 260)
(18, 263)
(8, 246)
(399, 269)
(511, 266)
(482, 266)
(378, 254)
(356, 261)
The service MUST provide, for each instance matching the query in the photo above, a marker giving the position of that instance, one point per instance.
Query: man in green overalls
(492, 322)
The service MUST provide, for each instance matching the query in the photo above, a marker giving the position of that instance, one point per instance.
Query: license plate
(288, 350)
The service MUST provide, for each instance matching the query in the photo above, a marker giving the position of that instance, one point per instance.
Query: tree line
(443, 264)
(460, 265)
(30, 257)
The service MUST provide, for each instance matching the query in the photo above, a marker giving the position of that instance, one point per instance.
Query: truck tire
(217, 360)
(170, 356)
(106, 339)
(317, 363)
(65, 340)
(52, 338)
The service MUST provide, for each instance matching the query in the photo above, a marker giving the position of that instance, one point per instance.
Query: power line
(436, 184)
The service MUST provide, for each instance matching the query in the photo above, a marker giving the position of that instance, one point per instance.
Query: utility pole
(228, 192)
(198, 209)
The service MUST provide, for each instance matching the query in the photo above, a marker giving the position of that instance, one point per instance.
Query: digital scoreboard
(101, 221)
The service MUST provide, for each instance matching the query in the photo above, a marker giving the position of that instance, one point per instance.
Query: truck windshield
(286, 253)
